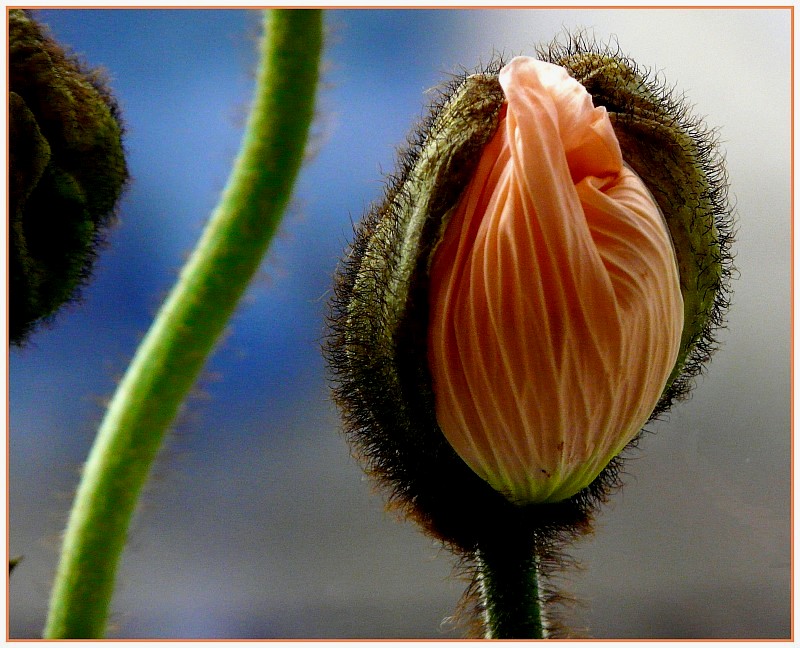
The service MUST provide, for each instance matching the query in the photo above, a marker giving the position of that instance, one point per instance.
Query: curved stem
(189, 323)
(510, 589)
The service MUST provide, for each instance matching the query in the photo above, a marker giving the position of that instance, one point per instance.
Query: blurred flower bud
(66, 171)
(542, 277)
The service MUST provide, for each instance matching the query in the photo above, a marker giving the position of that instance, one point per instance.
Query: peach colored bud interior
(555, 306)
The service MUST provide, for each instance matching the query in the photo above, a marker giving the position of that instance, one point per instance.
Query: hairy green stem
(510, 589)
(189, 323)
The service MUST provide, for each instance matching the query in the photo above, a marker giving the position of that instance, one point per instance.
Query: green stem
(510, 589)
(189, 323)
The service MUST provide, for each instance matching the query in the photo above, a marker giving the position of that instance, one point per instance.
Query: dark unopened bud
(67, 170)
(543, 276)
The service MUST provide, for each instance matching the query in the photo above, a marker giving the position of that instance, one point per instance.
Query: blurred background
(257, 523)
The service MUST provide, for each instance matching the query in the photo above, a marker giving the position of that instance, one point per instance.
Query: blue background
(257, 523)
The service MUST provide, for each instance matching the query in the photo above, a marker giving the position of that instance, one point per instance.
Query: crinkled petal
(555, 306)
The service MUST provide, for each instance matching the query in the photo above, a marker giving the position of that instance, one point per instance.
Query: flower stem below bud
(196, 312)
(509, 579)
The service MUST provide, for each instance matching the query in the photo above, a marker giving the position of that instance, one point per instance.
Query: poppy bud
(66, 171)
(542, 277)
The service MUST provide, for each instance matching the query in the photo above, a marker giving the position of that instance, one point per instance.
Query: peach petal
(555, 307)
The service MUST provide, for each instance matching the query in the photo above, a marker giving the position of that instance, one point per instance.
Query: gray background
(257, 523)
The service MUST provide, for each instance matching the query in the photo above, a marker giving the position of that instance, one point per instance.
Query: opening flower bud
(555, 304)
(543, 276)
